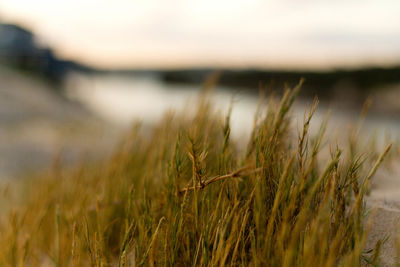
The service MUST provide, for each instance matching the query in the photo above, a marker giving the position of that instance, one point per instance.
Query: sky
(290, 34)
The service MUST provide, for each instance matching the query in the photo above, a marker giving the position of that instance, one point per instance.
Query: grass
(185, 194)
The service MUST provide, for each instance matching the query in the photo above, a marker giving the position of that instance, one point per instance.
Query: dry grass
(184, 194)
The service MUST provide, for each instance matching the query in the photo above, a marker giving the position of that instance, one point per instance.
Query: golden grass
(184, 194)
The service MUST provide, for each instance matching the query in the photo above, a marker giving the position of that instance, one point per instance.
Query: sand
(37, 125)
(384, 205)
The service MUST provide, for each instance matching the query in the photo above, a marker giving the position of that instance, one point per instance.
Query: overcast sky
(240, 33)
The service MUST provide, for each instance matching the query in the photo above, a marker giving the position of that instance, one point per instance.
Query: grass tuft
(184, 194)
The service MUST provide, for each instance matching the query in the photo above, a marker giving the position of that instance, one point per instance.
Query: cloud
(252, 31)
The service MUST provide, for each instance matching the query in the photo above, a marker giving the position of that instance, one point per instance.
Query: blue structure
(19, 49)
(17, 46)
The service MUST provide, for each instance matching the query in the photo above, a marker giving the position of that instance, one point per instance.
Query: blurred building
(18, 49)
(17, 46)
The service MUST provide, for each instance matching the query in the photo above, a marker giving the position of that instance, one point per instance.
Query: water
(124, 99)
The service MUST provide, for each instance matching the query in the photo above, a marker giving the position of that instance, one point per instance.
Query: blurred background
(75, 74)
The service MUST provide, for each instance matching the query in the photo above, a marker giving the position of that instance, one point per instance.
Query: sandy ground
(37, 124)
(384, 205)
